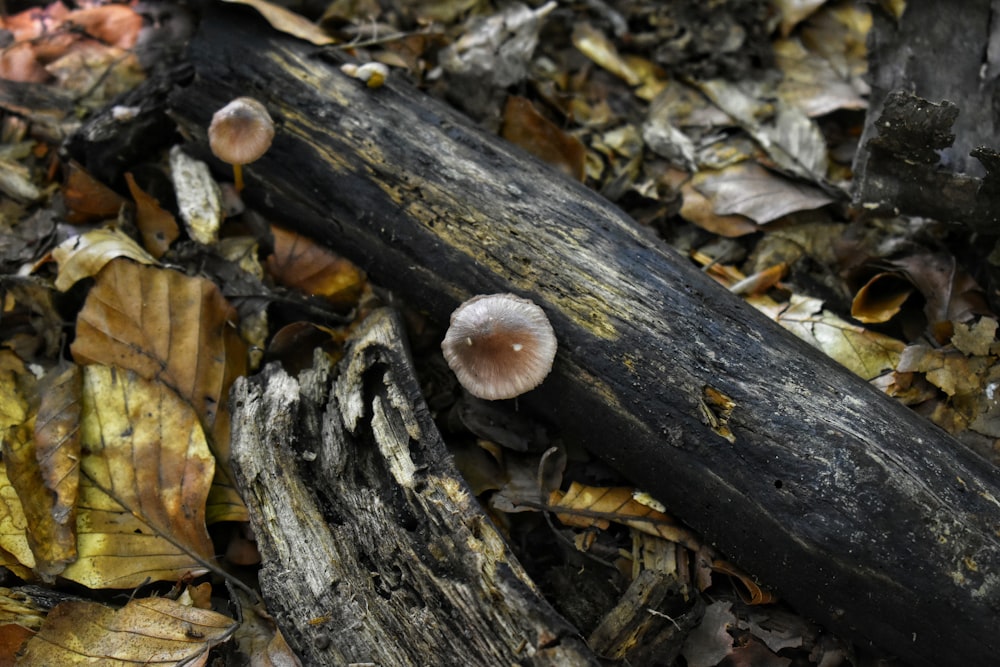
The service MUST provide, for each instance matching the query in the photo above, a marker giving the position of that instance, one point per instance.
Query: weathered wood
(928, 147)
(374, 549)
(862, 515)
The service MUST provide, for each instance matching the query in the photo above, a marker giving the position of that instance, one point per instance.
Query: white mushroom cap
(499, 346)
(241, 131)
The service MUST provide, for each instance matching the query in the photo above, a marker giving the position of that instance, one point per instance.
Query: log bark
(374, 549)
(861, 514)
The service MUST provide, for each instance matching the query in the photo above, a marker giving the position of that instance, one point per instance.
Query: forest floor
(730, 132)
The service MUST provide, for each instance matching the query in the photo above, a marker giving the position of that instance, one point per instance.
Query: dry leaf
(301, 263)
(199, 199)
(524, 126)
(754, 593)
(975, 339)
(146, 474)
(158, 227)
(789, 137)
(288, 22)
(147, 631)
(951, 292)
(697, 208)
(949, 370)
(586, 506)
(43, 468)
(115, 25)
(880, 298)
(761, 195)
(594, 44)
(12, 639)
(812, 84)
(13, 529)
(87, 199)
(176, 329)
(864, 352)
(794, 11)
(710, 641)
(85, 255)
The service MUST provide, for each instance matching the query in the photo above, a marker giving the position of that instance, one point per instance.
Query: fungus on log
(862, 514)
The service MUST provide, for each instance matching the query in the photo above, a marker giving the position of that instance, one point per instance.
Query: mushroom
(240, 133)
(499, 346)
(373, 74)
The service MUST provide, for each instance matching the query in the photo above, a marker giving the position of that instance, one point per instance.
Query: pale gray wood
(374, 549)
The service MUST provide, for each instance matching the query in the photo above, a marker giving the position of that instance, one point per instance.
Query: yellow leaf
(43, 466)
(864, 352)
(179, 330)
(84, 256)
(13, 525)
(146, 631)
(146, 474)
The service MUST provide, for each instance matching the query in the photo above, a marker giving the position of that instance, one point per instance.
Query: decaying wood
(928, 147)
(863, 516)
(374, 549)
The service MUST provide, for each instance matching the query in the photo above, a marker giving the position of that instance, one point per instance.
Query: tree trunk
(860, 513)
(374, 549)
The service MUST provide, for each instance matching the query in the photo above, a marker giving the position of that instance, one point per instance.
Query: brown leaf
(158, 227)
(524, 126)
(289, 22)
(146, 475)
(880, 298)
(586, 506)
(951, 293)
(697, 208)
(44, 471)
(145, 631)
(301, 263)
(12, 638)
(87, 199)
(177, 329)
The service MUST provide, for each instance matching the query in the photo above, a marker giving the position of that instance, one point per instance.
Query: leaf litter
(693, 146)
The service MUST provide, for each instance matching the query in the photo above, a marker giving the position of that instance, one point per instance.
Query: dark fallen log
(374, 549)
(861, 514)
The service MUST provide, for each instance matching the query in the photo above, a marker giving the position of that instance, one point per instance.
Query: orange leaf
(524, 126)
(880, 298)
(87, 199)
(158, 227)
(115, 25)
(755, 594)
(301, 263)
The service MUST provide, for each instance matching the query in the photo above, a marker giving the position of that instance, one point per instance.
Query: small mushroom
(373, 74)
(499, 346)
(240, 133)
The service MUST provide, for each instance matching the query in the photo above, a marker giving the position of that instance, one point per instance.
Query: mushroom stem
(238, 177)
